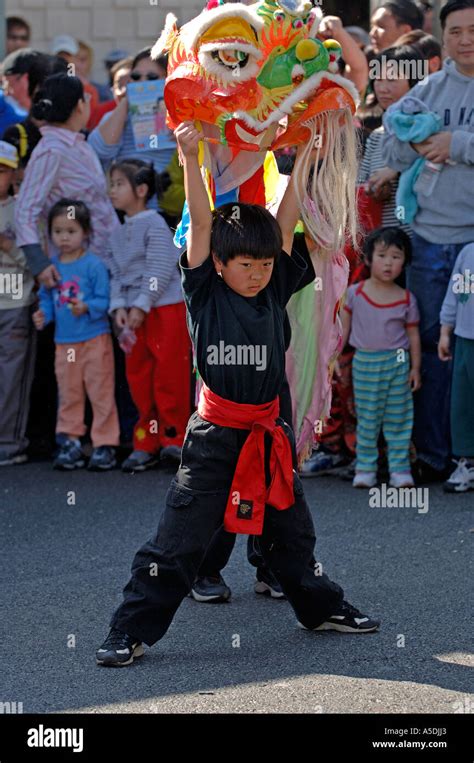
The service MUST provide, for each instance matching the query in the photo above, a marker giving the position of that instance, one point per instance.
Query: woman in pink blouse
(62, 165)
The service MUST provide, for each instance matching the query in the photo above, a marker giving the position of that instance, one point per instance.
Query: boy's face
(458, 38)
(7, 176)
(245, 275)
(387, 262)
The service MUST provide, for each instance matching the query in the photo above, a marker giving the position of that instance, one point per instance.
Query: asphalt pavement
(67, 542)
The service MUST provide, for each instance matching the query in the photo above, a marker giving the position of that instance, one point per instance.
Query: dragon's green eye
(231, 58)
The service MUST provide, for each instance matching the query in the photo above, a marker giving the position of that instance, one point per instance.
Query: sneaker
(425, 474)
(462, 479)
(211, 589)
(139, 461)
(70, 456)
(346, 473)
(347, 619)
(364, 479)
(19, 458)
(320, 463)
(171, 453)
(267, 584)
(102, 458)
(401, 479)
(119, 649)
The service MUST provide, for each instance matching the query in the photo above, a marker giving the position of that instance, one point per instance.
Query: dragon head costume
(256, 78)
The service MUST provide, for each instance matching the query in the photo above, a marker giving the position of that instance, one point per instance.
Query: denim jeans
(428, 279)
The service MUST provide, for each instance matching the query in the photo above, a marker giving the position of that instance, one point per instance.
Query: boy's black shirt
(220, 318)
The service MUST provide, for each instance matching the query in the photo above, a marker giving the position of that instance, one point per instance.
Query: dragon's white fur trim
(232, 45)
(305, 89)
(317, 21)
(194, 29)
(162, 43)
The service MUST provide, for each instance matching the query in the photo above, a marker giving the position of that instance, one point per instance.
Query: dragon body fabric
(256, 78)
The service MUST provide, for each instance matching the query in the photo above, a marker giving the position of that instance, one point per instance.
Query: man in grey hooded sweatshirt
(444, 223)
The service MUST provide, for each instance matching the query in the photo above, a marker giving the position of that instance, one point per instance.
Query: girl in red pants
(147, 304)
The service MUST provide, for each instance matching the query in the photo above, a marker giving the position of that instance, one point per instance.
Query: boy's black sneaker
(347, 619)
(210, 589)
(119, 649)
(70, 456)
(102, 459)
(267, 584)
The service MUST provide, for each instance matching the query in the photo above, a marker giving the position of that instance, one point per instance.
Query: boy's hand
(78, 307)
(121, 318)
(444, 350)
(38, 319)
(135, 318)
(414, 379)
(188, 139)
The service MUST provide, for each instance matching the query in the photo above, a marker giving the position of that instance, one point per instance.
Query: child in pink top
(380, 320)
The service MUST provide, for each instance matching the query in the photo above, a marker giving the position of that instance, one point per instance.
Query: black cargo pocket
(171, 529)
(303, 518)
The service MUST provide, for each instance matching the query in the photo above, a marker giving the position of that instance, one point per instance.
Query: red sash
(248, 495)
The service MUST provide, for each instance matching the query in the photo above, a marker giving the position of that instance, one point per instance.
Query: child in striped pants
(380, 320)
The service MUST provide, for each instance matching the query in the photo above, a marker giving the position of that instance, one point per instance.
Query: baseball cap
(19, 61)
(64, 43)
(115, 55)
(8, 154)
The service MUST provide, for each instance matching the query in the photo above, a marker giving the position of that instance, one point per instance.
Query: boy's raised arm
(199, 234)
(288, 212)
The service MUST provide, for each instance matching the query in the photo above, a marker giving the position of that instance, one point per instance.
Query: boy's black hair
(247, 229)
(452, 6)
(405, 12)
(390, 236)
(403, 54)
(82, 214)
(57, 98)
(137, 172)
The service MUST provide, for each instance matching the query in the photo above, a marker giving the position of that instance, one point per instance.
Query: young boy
(236, 460)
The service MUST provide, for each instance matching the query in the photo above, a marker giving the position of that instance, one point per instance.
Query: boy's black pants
(165, 567)
(222, 544)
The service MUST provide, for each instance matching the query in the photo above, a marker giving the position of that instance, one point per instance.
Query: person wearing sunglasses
(18, 34)
(113, 138)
